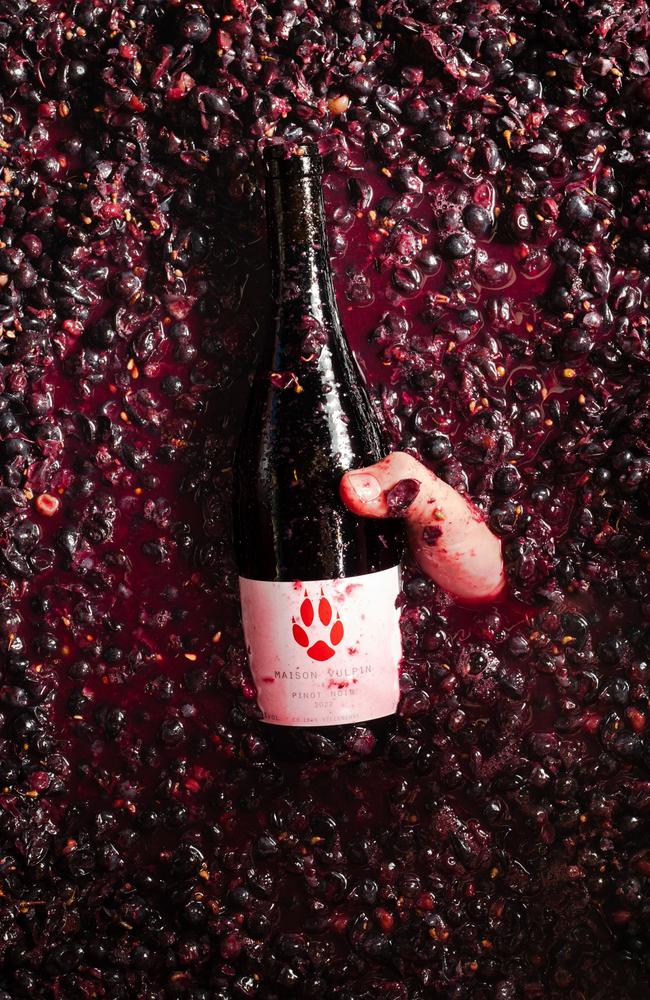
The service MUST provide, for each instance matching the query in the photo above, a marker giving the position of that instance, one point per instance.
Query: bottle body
(318, 585)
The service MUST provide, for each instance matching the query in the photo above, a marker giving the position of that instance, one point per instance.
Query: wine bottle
(318, 585)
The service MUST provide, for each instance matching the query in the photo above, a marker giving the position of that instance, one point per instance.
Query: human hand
(447, 535)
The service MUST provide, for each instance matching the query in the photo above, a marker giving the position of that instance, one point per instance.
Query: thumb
(448, 536)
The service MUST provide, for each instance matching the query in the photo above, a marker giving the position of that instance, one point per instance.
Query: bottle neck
(302, 284)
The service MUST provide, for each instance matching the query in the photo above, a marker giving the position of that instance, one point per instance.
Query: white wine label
(324, 652)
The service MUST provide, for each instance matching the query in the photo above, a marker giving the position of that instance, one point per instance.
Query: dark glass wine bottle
(318, 585)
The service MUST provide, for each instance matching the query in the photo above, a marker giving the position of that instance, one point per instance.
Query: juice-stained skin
(448, 536)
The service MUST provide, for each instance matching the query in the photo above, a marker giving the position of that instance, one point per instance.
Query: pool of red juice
(486, 198)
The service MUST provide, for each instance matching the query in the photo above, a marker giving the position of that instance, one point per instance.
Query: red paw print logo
(320, 649)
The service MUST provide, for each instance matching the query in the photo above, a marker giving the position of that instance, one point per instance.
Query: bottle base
(355, 740)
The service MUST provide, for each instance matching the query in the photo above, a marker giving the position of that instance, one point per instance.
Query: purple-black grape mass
(487, 172)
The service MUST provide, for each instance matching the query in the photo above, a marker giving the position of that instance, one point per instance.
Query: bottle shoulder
(305, 398)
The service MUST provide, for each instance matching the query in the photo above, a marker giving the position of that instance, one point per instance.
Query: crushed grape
(487, 187)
